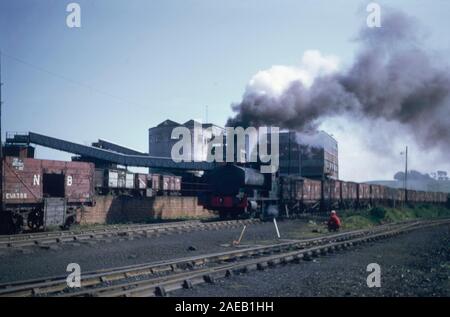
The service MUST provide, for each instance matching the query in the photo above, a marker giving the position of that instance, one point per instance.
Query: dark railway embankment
(413, 264)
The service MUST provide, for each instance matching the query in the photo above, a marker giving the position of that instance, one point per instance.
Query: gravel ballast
(412, 264)
(35, 262)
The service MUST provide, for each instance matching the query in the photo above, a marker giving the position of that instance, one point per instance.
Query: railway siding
(167, 276)
(115, 232)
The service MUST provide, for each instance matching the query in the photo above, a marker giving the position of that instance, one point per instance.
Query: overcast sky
(133, 64)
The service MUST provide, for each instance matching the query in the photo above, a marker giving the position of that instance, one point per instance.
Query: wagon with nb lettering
(40, 193)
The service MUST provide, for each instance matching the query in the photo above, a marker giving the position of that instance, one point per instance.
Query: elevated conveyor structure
(106, 154)
(107, 145)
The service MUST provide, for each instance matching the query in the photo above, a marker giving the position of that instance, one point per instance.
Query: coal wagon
(41, 193)
(349, 194)
(331, 192)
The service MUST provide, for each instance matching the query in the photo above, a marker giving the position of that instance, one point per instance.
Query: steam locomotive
(238, 190)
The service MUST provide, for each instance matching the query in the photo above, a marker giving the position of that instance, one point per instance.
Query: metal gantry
(108, 155)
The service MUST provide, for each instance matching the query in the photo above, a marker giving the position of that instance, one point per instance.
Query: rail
(159, 278)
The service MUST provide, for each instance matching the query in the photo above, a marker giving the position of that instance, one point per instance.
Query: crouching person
(334, 223)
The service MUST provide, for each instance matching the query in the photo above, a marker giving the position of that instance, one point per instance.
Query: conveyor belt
(103, 144)
(107, 155)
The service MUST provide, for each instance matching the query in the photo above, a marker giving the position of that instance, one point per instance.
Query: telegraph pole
(406, 174)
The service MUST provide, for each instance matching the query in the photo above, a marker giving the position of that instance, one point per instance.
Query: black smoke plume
(393, 78)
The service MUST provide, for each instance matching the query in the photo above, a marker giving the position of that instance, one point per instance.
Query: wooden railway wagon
(435, 197)
(429, 196)
(432, 196)
(141, 182)
(400, 196)
(311, 193)
(170, 184)
(439, 198)
(113, 181)
(412, 196)
(146, 185)
(300, 194)
(420, 197)
(349, 194)
(364, 196)
(123, 182)
(444, 198)
(417, 196)
(157, 184)
(40, 193)
(394, 197)
(377, 195)
(331, 194)
(153, 183)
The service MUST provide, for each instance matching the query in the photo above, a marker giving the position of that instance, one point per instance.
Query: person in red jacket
(334, 223)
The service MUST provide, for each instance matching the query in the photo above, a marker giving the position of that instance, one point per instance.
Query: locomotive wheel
(223, 214)
(35, 219)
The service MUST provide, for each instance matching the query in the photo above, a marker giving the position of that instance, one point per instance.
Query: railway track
(160, 278)
(139, 230)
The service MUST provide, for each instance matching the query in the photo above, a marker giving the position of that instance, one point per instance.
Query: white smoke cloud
(275, 80)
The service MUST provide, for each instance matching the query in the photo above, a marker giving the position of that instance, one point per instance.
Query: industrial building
(309, 155)
(160, 140)
(319, 156)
